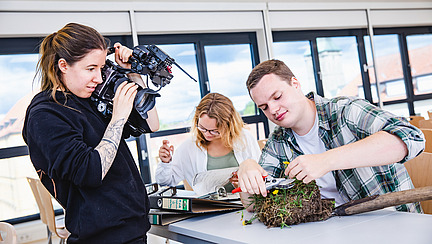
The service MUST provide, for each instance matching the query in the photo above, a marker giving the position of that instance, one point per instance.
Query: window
(17, 90)
(341, 63)
(221, 63)
(175, 106)
(228, 69)
(297, 56)
(16, 79)
(389, 66)
(399, 109)
(423, 84)
(395, 88)
(340, 68)
(332, 60)
(420, 53)
(422, 107)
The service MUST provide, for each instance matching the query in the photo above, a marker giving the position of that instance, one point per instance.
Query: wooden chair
(428, 136)
(187, 186)
(420, 171)
(261, 143)
(414, 120)
(430, 114)
(7, 233)
(46, 209)
(425, 124)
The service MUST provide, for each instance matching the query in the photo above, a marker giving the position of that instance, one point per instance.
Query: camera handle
(144, 52)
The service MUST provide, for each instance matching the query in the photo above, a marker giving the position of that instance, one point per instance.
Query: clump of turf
(298, 204)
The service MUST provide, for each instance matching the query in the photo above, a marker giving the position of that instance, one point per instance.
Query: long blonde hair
(228, 120)
(72, 43)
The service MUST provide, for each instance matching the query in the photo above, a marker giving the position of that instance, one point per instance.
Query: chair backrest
(428, 136)
(44, 202)
(7, 233)
(414, 120)
(425, 124)
(420, 171)
(261, 143)
(187, 186)
(429, 114)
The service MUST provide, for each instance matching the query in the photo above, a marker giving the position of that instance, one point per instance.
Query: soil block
(299, 204)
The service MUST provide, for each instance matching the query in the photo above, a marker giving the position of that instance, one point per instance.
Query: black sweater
(61, 141)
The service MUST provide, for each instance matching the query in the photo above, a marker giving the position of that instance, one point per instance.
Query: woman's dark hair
(72, 43)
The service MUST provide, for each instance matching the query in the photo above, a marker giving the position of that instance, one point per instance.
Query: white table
(382, 226)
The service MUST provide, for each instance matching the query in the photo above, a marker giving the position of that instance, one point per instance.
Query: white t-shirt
(312, 144)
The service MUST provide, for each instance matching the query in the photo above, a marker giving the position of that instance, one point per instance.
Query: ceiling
(239, 1)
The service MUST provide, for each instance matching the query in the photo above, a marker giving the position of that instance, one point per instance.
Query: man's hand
(245, 199)
(308, 167)
(250, 177)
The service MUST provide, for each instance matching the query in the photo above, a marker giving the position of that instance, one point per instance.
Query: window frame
(401, 32)
(200, 41)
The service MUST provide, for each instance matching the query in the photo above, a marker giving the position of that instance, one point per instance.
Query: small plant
(298, 204)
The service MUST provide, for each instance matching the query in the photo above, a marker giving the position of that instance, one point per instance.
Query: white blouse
(188, 160)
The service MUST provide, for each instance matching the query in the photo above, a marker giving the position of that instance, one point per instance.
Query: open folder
(192, 204)
(161, 217)
(179, 205)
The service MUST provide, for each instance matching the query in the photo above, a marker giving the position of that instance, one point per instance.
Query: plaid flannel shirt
(344, 120)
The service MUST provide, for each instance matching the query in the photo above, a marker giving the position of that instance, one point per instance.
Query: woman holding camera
(79, 155)
(218, 140)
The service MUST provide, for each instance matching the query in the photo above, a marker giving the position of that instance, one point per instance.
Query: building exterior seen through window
(420, 58)
(339, 65)
(389, 66)
(17, 89)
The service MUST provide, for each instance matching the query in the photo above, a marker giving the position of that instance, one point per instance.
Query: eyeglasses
(212, 132)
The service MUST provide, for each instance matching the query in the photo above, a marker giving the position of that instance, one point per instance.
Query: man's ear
(63, 65)
(295, 83)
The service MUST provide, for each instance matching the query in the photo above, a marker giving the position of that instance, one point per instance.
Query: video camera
(145, 60)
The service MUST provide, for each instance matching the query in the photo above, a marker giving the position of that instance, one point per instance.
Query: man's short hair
(272, 66)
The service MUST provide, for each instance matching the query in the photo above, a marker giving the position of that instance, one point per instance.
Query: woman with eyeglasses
(218, 140)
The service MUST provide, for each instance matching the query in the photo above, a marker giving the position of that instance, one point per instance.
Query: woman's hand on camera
(122, 55)
(124, 100)
(166, 151)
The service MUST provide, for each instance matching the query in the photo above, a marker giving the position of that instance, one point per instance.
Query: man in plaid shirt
(352, 148)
